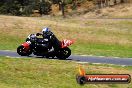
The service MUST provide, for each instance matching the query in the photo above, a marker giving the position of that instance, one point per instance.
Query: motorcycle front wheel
(63, 53)
(21, 51)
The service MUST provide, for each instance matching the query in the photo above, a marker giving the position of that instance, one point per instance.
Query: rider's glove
(38, 34)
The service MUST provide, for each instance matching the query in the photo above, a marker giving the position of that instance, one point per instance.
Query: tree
(56, 1)
(28, 7)
(44, 7)
(10, 7)
(115, 2)
(122, 1)
(62, 3)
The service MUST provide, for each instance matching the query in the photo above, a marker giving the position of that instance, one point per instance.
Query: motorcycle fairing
(26, 45)
(66, 43)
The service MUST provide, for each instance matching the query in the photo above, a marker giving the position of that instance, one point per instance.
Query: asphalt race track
(90, 59)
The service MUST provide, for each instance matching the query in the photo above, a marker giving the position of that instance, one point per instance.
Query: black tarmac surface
(91, 59)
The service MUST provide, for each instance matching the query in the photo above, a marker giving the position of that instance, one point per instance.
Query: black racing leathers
(52, 39)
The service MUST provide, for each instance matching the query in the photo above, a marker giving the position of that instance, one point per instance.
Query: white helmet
(45, 30)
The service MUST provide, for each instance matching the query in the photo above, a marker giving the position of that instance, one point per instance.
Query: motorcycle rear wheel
(21, 51)
(63, 53)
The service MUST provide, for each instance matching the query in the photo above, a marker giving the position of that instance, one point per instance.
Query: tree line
(105, 3)
(26, 7)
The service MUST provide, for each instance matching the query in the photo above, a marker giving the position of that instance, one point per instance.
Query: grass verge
(44, 73)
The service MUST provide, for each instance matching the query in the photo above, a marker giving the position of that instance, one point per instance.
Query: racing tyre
(21, 51)
(63, 53)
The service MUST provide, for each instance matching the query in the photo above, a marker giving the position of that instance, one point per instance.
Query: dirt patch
(119, 11)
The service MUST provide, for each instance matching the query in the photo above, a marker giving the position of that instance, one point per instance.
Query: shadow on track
(41, 57)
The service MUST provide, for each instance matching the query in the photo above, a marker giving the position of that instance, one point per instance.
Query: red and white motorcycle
(41, 47)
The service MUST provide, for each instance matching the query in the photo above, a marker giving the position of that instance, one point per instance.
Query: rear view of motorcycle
(44, 47)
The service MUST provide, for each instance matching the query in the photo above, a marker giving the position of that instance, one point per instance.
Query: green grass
(10, 42)
(102, 49)
(44, 73)
(105, 37)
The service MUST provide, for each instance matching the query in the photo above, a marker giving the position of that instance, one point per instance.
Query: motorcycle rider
(50, 37)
